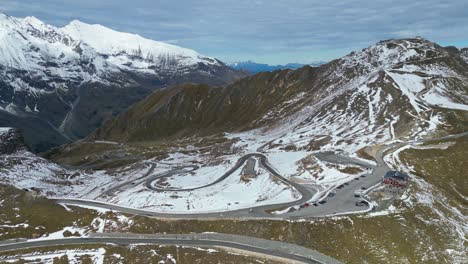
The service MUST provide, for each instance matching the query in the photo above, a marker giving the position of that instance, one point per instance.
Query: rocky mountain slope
(11, 141)
(65, 81)
(394, 91)
(406, 88)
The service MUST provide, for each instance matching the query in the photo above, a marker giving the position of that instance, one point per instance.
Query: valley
(325, 164)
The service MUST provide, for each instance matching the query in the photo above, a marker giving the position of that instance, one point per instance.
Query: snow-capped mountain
(408, 88)
(66, 81)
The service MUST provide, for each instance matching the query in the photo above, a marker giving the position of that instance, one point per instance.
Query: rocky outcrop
(11, 141)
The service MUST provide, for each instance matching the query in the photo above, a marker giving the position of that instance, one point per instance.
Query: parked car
(358, 193)
(331, 194)
(322, 202)
(362, 203)
(307, 204)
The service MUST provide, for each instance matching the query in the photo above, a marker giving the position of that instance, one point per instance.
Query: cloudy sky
(273, 31)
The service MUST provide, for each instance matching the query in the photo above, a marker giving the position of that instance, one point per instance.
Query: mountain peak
(33, 20)
(37, 60)
(108, 41)
(386, 54)
(4, 16)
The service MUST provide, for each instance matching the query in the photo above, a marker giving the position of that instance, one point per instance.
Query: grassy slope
(199, 109)
(382, 239)
(104, 156)
(41, 215)
(150, 254)
(443, 168)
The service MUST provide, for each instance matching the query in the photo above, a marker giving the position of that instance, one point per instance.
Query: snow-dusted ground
(364, 117)
(73, 256)
(230, 194)
(51, 179)
(233, 193)
(204, 175)
(423, 193)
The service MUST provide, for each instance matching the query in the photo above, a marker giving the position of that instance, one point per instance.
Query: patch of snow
(230, 194)
(73, 256)
(435, 98)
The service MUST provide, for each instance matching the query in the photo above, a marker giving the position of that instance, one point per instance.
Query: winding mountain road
(253, 212)
(250, 244)
(343, 202)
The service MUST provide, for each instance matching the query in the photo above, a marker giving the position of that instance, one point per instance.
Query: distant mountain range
(254, 67)
(64, 82)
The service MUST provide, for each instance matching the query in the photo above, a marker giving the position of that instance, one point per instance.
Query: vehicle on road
(358, 193)
(362, 203)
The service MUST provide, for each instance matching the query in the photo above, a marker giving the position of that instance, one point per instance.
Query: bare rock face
(464, 54)
(66, 81)
(11, 141)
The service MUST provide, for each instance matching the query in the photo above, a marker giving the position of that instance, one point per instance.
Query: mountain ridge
(67, 81)
(408, 87)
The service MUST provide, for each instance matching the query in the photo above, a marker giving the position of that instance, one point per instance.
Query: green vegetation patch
(26, 215)
(143, 254)
(444, 168)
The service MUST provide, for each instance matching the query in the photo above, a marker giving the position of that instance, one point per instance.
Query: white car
(358, 193)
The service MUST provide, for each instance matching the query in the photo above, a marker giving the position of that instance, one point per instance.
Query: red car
(306, 204)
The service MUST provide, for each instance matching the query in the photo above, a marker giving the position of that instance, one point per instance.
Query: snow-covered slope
(408, 88)
(28, 43)
(114, 43)
(46, 72)
(25, 170)
(396, 89)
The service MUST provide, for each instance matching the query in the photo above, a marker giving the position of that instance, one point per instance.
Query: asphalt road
(263, 160)
(254, 245)
(306, 192)
(342, 202)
